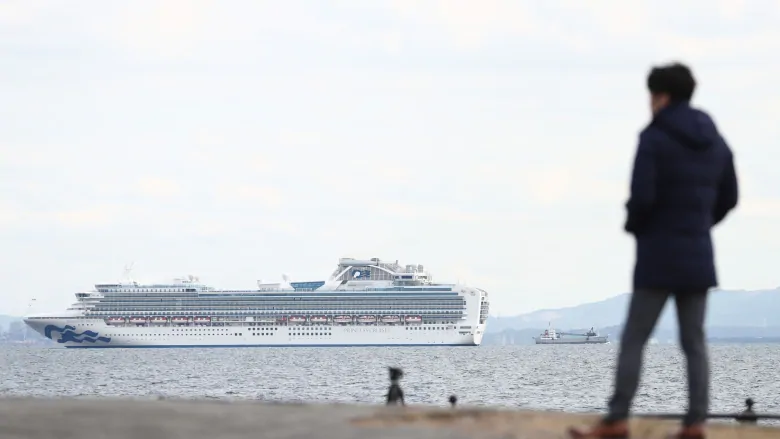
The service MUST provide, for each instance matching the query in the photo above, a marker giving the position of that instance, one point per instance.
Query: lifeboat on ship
(413, 319)
(200, 320)
(297, 319)
(179, 319)
(342, 319)
(390, 319)
(366, 319)
(138, 320)
(115, 320)
(158, 320)
(318, 319)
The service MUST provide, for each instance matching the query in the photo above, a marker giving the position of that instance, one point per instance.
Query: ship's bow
(37, 323)
(66, 330)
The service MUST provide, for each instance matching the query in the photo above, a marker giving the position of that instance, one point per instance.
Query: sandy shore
(188, 419)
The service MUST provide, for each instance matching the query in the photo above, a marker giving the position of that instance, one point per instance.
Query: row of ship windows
(273, 328)
(270, 331)
(297, 294)
(237, 334)
(116, 291)
(253, 312)
(146, 290)
(275, 302)
(276, 305)
(270, 312)
(218, 329)
(272, 308)
(280, 311)
(303, 294)
(331, 301)
(300, 293)
(213, 324)
(428, 301)
(217, 316)
(332, 309)
(313, 328)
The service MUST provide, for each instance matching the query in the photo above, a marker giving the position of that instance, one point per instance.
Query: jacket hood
(692, 128)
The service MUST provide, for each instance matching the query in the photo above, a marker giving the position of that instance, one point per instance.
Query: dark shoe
(689, 432)
(602, 430)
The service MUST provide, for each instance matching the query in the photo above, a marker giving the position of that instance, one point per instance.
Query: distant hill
(6, 320)
(726, 309)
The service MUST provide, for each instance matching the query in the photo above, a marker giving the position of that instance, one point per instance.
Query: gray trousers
(643, 313)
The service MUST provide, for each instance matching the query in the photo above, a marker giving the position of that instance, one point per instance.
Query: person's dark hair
(676, 80)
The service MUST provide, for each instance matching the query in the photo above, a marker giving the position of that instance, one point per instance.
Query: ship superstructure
(551, 336)
(364, 302)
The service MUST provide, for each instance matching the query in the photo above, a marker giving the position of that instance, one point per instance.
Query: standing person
(683, 183)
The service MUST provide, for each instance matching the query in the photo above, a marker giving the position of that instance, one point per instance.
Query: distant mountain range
(726, 308)
(731, 315)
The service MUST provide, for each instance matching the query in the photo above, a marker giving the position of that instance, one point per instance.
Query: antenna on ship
(128, 269)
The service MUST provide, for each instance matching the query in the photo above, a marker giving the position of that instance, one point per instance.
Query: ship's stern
(478, 334)
(483, 311)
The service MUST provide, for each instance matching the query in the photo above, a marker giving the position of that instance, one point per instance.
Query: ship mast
(126, 277)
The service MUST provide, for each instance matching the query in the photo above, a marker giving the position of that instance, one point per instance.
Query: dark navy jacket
(683, 183)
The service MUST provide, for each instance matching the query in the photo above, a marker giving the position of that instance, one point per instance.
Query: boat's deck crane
(590, 333)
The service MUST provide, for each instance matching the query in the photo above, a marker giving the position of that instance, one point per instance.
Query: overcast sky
(490, 141)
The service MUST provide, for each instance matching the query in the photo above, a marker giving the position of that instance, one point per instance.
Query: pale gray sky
(488, 140)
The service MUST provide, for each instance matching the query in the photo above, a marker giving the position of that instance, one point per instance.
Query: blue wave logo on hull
(68, 333)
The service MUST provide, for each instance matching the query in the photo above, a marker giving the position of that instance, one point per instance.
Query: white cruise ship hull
(76, 333)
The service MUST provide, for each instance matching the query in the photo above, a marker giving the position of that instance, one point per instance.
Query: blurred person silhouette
(683, 183)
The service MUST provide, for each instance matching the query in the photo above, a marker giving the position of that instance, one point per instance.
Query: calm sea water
(567, 378)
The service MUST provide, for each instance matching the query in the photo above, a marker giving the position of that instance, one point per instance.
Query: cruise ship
(363, 303)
